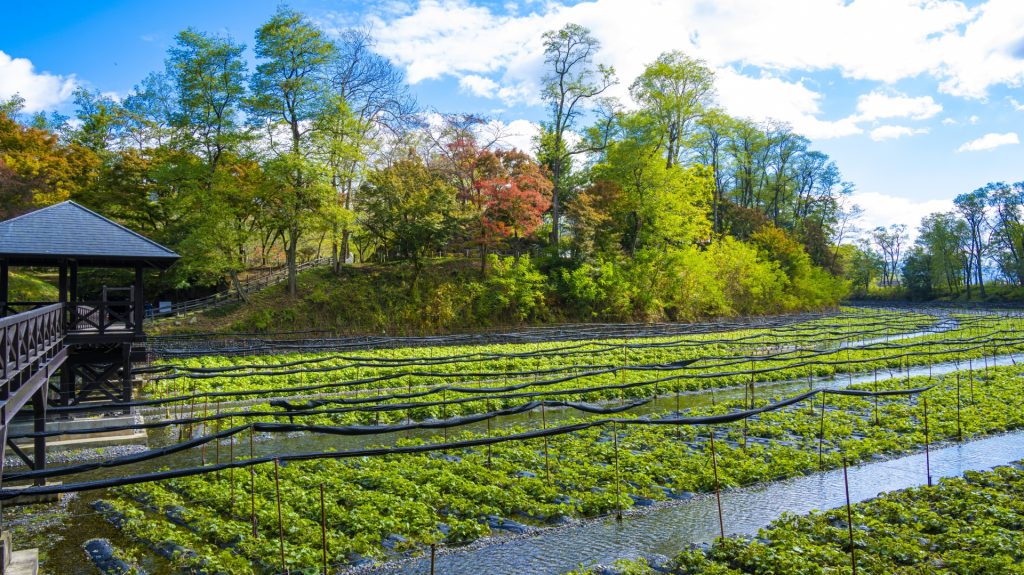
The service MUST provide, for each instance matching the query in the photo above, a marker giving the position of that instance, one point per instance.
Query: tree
(515, 196)
(890, 242)
(917, 274)
(676, 91)
(288, 92)
(378, 106)
(1007, 238)
(972, 208)
(661, 205)
(36, 169)
(861, 264)
(941, 236)
(410, 210)
(571, 81)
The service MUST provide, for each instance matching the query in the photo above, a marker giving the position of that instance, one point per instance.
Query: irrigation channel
(667, 529)
(403, 440)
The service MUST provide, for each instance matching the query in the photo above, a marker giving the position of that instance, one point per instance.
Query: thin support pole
(489, 461)
(323, 527)
(970, 376)
(231, 472)
(433, 557)
(959, 430)
(547, 460)
(821, 434)
(876, 397)
(280, 520)
(618, 486)
(252, 502)
(927, 455)
(718, 485)
(849, 519)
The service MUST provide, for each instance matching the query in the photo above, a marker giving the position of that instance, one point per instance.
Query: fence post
(718, 486)
(849, 519)
(821, 434)
(280, 521)
(323, 527)
(927, 455)
(618, 486)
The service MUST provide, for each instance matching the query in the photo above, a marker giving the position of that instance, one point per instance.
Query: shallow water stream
(670, 529)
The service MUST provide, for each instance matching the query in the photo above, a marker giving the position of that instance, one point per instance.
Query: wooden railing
(101, 316)
(251, 285)
(15, 307)
(28, 340)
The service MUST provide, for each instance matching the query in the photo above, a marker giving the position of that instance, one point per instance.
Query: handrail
(25, 338)
(231, 294)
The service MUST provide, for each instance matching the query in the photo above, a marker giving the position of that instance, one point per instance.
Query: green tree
(941, 235)
(410, 210)
(572, 79)
(971, 207)
(677, 91)
(288, 94)
(660, 205)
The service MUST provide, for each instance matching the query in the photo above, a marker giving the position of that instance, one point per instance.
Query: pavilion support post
(138, 305)
(5, 269)
(126, 374)
(67, 383)
(62, 284)
(73, 281)
(39, 426)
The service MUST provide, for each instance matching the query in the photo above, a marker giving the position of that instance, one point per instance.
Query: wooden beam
(62, 283)
(138, 301)
(5, 269)
(73, 282)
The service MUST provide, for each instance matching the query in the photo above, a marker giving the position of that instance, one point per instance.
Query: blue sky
(916, 100)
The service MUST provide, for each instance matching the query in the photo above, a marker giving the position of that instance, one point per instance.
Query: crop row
(392, 505)
(971, 524)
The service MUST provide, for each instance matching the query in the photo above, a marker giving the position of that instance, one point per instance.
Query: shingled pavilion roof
(68, 231)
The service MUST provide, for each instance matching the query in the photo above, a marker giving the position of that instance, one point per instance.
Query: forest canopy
(662, 206)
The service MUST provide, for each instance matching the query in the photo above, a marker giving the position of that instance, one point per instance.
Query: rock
(641, 501)
(558, 519)
(171, 550)
(393, 540)
(657, 562)
(450, 458)
(109, 513)
(525, 474)
(505, 524)
(356, 560)
(175, 516)
(562, 500)
(101, 553)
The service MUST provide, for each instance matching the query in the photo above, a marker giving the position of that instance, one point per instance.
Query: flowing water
(664, 530)
(668, 530)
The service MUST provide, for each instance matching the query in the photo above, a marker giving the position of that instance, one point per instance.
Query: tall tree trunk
(291, 252)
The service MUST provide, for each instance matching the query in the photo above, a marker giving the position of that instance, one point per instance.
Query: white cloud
(777, 99)
(41, 90)
(973, 120)
(888, 132)
(877, 105)
(1016, 105)
(943, 38)
(989, 141)
(948, 122)
(758, 48)
(479, 85)
(517, 134)
(884, 210)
